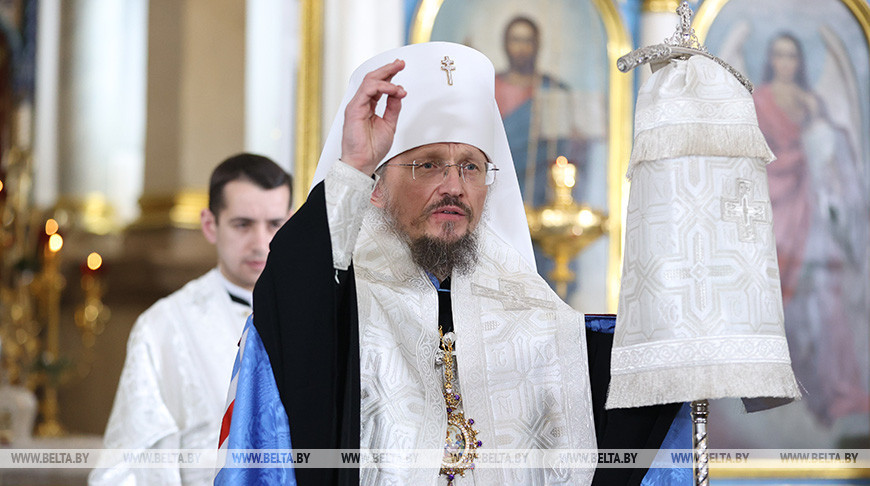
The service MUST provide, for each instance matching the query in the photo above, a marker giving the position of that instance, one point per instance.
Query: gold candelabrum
(31, 287)
(92, 315)
(49, 287)
(562, 228)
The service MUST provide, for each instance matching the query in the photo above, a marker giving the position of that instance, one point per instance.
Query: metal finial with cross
(447, 66)
(685, 34)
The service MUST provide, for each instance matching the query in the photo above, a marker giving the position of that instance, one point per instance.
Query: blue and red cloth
(254, 417)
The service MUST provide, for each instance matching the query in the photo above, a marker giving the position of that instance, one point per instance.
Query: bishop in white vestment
(351, 322)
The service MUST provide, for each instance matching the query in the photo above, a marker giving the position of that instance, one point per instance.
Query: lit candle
(93, 264)
(564, 172)
(51, 226)
(55, 243)
(50, 240)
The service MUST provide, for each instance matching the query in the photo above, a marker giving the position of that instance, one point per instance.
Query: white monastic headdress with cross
(451, 98)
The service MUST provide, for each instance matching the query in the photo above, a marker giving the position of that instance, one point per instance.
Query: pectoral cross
(447, 66)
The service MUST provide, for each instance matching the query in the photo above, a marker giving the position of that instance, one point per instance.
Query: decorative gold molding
(619, 128)
(704, 19)
(424, 20)
(308, 98)
(660, 6)
(710, 9)
(179, 210)
(861, 10)
(619, 142)
(773, 469)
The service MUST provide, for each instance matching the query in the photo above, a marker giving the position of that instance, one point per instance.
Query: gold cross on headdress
(447, 66)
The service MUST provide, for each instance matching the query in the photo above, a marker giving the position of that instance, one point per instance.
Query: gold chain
(461, 443)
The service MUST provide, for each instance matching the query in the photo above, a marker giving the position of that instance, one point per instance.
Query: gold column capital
(660, 6)
(180, 210)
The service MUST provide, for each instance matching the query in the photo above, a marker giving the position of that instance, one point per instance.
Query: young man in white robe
(180, 352)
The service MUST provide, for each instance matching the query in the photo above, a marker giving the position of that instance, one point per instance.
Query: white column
(271, 57)
(45, 164)
(658, 21)
(354, 31)
(196, 104)
(102, 102)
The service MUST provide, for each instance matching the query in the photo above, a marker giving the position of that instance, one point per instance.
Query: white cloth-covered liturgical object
(700, 308)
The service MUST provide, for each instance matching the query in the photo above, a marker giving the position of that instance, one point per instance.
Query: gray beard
(435, 255)
(441, 258)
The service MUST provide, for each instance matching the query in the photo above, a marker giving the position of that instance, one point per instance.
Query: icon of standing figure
(820, 214)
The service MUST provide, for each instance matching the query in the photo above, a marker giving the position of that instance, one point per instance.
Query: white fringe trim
(684, 384)
(699, 139)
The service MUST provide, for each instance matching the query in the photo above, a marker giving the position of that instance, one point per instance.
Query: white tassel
(697, 139)
(687, 383)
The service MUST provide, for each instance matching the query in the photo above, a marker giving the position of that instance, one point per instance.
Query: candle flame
(55, 243)
(586, 218)
(566, 171)
(51, 226)
(94, 260)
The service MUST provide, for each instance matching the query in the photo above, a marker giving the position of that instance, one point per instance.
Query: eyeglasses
(433, 171)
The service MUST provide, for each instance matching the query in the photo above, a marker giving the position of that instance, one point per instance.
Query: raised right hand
(367, 137)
